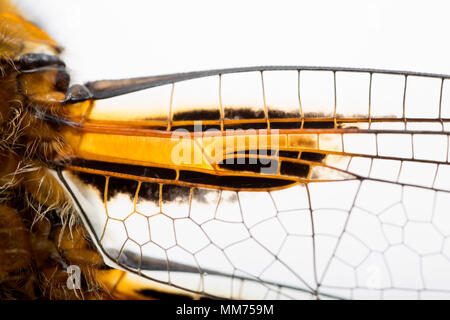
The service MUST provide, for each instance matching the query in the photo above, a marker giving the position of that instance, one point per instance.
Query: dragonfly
(267, 182)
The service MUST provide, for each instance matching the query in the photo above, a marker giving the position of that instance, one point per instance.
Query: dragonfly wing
(368, 219)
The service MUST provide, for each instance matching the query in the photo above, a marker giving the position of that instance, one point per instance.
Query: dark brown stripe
(294, 169)
(140, 171)
(232, 181)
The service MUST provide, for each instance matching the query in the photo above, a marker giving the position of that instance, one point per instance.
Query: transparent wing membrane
(335, 98)
(356, 207)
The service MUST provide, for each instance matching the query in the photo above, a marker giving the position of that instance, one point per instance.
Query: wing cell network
(355, 204)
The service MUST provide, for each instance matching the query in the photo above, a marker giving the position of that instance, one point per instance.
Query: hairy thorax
(39, 233)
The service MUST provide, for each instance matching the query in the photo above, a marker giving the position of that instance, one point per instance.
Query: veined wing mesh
(384, 234)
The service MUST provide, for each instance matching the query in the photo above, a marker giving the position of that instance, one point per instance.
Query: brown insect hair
(40, 234)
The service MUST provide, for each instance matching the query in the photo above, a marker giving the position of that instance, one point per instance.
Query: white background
(108, 39)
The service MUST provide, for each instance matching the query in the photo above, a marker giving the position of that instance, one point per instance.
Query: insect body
(261, 182)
